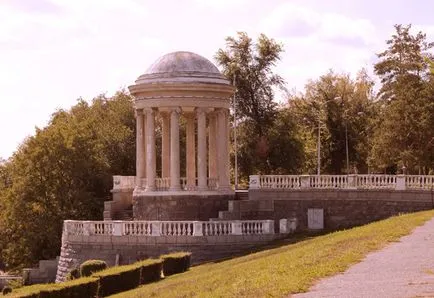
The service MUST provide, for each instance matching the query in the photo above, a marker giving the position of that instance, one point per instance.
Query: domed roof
(182, 67)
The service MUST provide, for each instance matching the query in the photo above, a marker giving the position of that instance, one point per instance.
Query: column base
(149, 188)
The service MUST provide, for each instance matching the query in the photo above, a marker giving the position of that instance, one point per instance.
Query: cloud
(34, 6)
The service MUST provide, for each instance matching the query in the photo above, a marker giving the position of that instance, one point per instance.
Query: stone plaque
(315, 219)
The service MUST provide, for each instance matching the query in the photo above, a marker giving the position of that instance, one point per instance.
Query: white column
(201, 149)
(191, 152)
(212, 143)
(223, 150)
(175, 181)
(150, 150)
(140, 148)
(165, 145)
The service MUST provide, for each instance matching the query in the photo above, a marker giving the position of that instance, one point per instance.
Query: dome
(182, 67)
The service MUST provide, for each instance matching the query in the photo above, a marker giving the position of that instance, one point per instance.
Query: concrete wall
(122, 199)
(180, 207)
(128, 249)
(45, 273)
(342, 208)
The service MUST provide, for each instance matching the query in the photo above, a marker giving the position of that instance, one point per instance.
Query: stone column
(140, 148)
(165, 145)
(150, 150)
(191, 152)
(223, 150)
(201, 149)
(175, 180)
(212, 143)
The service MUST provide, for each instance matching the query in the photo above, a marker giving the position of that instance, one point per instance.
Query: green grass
(291, 268)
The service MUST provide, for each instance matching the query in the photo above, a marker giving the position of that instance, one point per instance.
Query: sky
(53, 52)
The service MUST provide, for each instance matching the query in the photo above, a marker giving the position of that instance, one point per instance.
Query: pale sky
(55, 51)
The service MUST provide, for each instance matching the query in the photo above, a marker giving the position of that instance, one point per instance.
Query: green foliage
(342, 108)
(63, 172)
(91, 266)
(83, 287)
(73, 274)
(404, 132)
(151, 270)
(6, 290)
(118, 279)
(250, 64)
(176, 263)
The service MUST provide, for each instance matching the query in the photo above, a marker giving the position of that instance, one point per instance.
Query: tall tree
(406, 104)
(250, 65)
(267, 134)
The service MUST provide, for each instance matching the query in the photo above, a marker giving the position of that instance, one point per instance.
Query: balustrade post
(254, 182)
(237, 228)
(117, 228)
(197, 228)
(87, 228)
(305, 181)
(268, 226)
(400, 182)
(292, 224)
(156, 228)
(352, 181)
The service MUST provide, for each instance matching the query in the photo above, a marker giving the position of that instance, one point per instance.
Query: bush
(150, 270)
(118, 279)
(73, 274)
(78, 288)
(91, 266)
(176, 262)
(6, 290)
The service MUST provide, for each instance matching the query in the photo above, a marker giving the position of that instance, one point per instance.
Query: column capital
(138, 112)
(149, 111)
(202, 111)
(175, 110)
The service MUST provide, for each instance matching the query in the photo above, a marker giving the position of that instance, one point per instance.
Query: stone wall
(44, 273)
(342, 208)
(128, 249)
(179, 207)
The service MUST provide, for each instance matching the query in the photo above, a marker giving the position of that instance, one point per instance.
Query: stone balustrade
(161, 184)
(371, 181)
(167, 228)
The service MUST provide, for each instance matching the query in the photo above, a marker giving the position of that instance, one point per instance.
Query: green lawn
(290, 268)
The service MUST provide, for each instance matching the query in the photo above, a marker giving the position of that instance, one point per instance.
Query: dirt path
(402, 269)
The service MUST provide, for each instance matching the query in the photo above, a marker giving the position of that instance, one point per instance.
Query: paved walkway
(402, 269)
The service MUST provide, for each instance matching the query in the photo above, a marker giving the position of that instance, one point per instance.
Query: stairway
(126, 214)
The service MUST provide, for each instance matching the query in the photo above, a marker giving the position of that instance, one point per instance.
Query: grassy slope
(292, 268)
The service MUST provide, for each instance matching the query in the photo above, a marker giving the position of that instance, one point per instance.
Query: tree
(406, 106)
(249, 66)
(341, 108)
(64, 172)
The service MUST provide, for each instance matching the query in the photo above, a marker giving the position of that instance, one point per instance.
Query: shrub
(150, 270)
(118, 279)
(78, 288)
(91, 266)
(176, 262)
(6, 290)
(73, 274)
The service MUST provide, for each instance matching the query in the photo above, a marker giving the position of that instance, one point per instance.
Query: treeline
(65, 170)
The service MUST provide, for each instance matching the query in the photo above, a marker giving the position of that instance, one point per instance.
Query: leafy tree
(250, 65)
(341, 108)
(64, 172)
(407, 109)
(267, 142)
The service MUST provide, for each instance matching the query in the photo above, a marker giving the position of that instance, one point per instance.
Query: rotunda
(181, 85)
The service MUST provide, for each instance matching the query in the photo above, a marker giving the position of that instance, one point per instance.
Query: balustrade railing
(161, 184)
(167, 228)
(371, 181)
